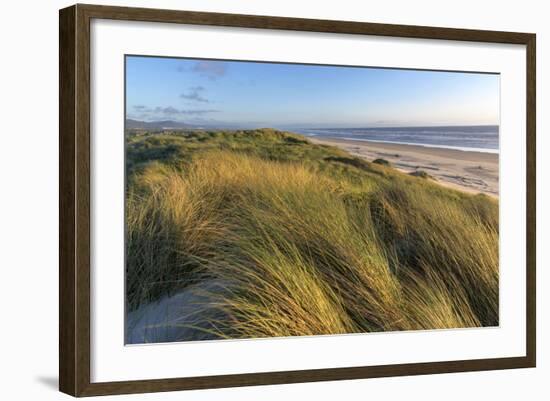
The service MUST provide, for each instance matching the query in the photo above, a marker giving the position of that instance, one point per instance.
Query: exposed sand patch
(474, 172)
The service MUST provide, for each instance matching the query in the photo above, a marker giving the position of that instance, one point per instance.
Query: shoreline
(462, 149)
(467, 171)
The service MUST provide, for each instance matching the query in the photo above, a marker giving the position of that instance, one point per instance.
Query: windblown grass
(305, 239)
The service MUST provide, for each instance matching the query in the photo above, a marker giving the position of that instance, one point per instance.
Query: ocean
(468, 138)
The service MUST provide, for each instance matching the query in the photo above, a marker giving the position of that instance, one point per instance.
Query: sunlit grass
(304, 239)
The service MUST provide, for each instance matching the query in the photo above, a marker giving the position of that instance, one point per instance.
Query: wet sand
(473, 172)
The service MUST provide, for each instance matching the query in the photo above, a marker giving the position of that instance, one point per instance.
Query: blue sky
(249, 94)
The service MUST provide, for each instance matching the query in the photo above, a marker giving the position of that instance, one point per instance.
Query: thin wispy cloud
(173, 111)
(170, 112)
(195, 94)
(210, 69)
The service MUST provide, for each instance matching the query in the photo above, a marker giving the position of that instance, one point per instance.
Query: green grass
(382, 162)
(306, 239)
(421, 174)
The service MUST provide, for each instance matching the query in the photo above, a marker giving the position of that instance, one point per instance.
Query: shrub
(382, 162)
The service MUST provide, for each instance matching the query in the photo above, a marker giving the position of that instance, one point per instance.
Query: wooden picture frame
(74, 203)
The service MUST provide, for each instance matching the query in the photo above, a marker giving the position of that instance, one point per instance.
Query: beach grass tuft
(421, 174)
(382, 162)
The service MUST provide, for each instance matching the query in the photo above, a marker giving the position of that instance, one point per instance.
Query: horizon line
(300, 126)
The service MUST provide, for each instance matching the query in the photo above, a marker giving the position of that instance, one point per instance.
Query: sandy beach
(473, 172)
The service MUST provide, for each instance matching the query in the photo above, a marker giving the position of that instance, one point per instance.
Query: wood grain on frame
(74, 199)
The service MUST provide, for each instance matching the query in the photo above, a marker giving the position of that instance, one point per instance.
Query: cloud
(173, 111)
(210, 69)
(160, 112)
(194, 94)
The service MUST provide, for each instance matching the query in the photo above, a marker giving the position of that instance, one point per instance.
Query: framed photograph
(250, 200)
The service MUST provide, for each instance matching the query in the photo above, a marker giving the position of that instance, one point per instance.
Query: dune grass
(305, 239)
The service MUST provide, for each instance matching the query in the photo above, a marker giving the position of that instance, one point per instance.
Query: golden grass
(300, 252)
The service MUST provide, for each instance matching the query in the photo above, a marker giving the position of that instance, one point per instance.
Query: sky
(253, 94)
